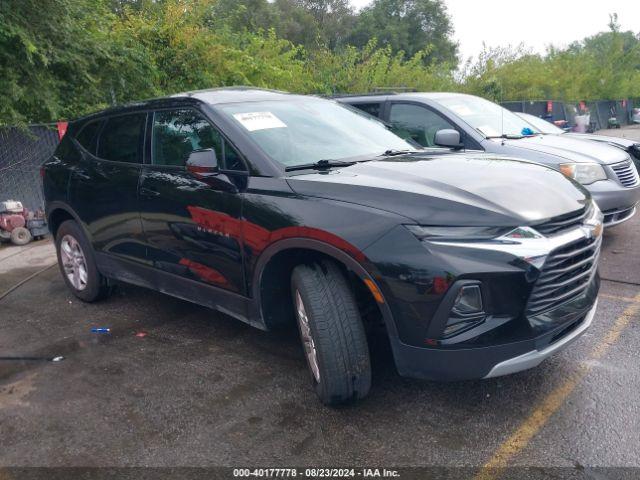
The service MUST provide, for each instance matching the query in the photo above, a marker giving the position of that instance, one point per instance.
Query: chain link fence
(22, 152)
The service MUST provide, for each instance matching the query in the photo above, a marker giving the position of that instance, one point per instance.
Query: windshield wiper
(319, 165)
(395, 153)
(508, 136)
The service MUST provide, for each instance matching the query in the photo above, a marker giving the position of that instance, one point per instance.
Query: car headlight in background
(584, 173)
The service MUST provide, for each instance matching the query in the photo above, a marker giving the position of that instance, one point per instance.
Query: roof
(213, 96)
(402, 95)
(217, 96)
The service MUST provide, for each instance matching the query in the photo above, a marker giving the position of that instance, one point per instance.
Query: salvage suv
(279, 209)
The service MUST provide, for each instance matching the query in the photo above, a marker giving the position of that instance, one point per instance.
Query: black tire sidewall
(18, 231)
(95, 281)
(331, 389)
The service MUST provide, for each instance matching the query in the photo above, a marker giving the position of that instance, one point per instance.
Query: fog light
(468, 301)
(466, 311)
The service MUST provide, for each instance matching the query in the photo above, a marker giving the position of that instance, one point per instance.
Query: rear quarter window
(88, 135)
(371, 108)
(122, 138)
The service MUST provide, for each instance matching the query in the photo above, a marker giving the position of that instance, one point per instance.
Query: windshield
(487, 117)
(540, 124)
(305, 131)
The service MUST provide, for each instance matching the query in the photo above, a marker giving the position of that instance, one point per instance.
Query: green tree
(334, 20)
(243, 15)
(603, 66)
(410, 26)
(62, 63)
(185, 52)
(43, 55)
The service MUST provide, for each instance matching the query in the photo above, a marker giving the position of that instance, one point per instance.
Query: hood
(450, 190)
(619, 142)
(570, 148)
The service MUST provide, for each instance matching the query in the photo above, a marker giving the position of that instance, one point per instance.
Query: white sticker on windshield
(253, 121)
(461, 110)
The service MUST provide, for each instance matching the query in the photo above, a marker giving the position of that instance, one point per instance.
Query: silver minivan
(462, 121)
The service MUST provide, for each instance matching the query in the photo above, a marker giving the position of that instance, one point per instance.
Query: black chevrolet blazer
(277, 208)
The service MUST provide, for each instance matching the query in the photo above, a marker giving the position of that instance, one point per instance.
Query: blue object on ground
(100, 330)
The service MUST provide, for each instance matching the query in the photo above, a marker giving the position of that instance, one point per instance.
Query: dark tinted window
(87, 135)
(232, 159)
(177, 133)
(417, 123)
(121, 138)
(370, 108)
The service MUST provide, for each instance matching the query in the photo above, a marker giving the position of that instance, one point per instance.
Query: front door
(417, 123)
(192, 226)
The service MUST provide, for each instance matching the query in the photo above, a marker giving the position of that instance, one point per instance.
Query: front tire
(77, 265)
(332, 333)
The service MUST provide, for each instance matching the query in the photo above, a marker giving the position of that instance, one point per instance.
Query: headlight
(584, 173)
(457, 233)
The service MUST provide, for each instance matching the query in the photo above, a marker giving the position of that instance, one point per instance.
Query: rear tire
(20, 236)
(77, 264)
(332, 333)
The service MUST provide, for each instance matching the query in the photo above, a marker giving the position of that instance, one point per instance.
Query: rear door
(192, 227)
(104, 184)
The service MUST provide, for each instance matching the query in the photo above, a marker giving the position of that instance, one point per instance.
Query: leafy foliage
(410, 26)
(64, 58)
(604, 66)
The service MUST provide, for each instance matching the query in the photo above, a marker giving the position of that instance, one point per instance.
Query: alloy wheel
(74, 262)
(307, 337)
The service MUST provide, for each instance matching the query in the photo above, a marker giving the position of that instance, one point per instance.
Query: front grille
(626, 172)
(565, 275)
(563, 222)
(614, 216)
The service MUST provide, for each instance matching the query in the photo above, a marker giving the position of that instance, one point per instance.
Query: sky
(536, 23)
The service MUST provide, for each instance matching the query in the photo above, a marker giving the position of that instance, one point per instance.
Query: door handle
(148, 192)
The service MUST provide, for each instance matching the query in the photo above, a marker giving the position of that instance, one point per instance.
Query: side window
(121, 138)
(232, 160)
(370, 108)
(177, 133)
(417, 123)
(87, 136)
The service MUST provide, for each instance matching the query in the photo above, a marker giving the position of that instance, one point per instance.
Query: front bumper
(454, 364)
(536, 357)
(616, 202)
(537, 290)
(615, 217)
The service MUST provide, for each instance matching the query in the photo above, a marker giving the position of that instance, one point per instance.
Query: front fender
(355, 264)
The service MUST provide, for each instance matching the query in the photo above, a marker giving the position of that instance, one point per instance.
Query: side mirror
(203, 163)
(448, 138)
